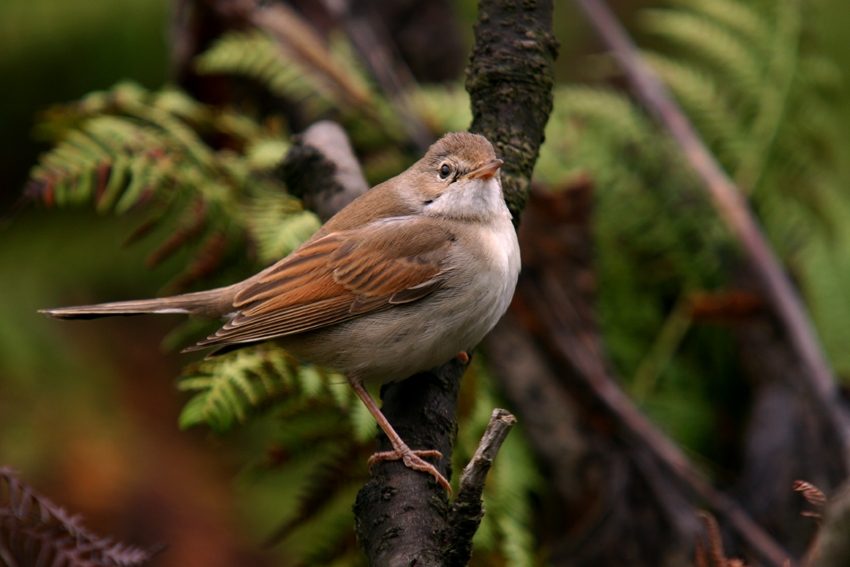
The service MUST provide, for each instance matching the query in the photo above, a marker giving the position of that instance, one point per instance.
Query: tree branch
(468, 509)
(401, 513)
(510, 82)
(321, 169)
(817, 380)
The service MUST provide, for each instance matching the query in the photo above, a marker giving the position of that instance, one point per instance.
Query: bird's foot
(413, 460)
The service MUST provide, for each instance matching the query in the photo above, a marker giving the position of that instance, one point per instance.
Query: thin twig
(468, 508)
(715, 541)
(475, 473)
(818, 379)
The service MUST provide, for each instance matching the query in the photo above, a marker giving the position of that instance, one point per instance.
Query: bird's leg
(411, 459)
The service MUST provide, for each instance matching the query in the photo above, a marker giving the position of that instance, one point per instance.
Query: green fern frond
(128, 147)
(277, 222)
(615, 125)
(229, 387)
(706, 104)
(257, 56)
(775, 94)
(331, 78)
(788, 88)
(738, 17)
(713, 44)
(110, 160)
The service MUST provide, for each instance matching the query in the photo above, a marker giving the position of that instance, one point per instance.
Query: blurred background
(88, 412)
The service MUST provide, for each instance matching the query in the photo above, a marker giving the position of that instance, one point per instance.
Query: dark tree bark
(322, 170)
(401, 513)
(510, 81)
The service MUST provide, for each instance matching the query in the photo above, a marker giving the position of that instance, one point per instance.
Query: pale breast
(406, 339)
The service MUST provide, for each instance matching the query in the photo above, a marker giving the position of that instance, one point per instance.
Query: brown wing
(340, 276)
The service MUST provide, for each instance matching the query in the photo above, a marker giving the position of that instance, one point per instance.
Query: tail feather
(212, 303)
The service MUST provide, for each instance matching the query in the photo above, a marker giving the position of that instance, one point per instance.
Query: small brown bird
(413, 272)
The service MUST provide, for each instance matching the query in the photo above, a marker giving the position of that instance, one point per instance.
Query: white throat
(470, 199)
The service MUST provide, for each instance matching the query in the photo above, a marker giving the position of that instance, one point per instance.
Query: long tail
(212, 303)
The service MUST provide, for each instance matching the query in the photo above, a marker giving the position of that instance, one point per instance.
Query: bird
(409, 275)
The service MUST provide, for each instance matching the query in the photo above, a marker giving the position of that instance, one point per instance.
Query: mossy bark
(402, 515)
(510, 81)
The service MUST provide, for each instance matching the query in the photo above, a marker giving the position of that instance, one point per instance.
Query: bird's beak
(486, 171)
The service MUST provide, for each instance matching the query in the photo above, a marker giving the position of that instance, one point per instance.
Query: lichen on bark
(509, 80)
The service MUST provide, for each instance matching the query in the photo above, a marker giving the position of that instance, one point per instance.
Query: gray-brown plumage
(408, 275)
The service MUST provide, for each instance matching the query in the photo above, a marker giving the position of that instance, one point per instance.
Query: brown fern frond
(715, 541)
(206, 262)
(810, 492)
(700, 556)
(194, 226)
(34, 532)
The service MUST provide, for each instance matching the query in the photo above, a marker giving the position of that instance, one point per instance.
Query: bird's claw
(413, 460)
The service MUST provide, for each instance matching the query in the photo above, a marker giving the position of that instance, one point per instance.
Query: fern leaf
(736, 16)
(265, 154)
(229, 387)
(712, 43)
(34, 531)
(278, 223)
(706, 105)
(776, 91)
(255, 55)
(127, 147)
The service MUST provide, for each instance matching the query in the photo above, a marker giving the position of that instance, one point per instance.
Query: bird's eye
(445, 171)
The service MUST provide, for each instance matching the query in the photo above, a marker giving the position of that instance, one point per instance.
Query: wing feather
(340, 276)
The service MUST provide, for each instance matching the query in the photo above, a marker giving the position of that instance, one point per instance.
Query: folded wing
(338, 277)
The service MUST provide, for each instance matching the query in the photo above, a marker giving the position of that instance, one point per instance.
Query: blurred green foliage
(763, 84)
(53, 51)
